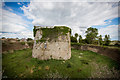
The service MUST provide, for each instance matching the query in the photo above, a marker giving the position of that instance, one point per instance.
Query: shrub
(30, 43)
(107, 40)
(3, 38)
(73, 39)
(79, 44)
(29, 39)
(23, 43)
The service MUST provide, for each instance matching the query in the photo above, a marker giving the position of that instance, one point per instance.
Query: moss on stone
(41, 40)
(37, 41)
(52, 33)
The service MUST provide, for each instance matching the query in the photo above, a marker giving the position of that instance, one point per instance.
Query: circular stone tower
(52, 43)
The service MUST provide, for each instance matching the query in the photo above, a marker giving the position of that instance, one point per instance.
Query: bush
(84, 41)
(29, 39)
(18, 40)
(3, 38)
(23, 43)
(107, 40)
(79, 44)
(73, 39)
(30, 43)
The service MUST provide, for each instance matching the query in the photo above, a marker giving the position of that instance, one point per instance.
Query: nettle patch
(52, 33)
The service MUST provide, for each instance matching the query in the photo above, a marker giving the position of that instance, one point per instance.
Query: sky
(18, 18)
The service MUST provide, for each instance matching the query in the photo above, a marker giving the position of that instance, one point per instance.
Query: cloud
(76, 15)
(13, 22)
(111, 30)
(8, 8)
(19, 3)
(18, 35)
(72, 14)
(14, 25)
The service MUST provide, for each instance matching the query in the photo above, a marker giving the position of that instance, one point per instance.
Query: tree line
(91, 38)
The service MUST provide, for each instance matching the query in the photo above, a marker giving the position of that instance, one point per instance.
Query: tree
(107, 40)
(80, 39)
(100, 41)
(76, 35)
(73, 39)
(3, 38)
(84, 41)
(29, 39)
(91, 35)
(17, 38)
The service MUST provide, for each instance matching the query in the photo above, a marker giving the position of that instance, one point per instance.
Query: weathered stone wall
(59, 48)
(112, 53)
(10, 46)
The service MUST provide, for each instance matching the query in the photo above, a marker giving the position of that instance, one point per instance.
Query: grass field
(83, 64)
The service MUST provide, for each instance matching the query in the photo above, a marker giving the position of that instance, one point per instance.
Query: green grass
(83, 64)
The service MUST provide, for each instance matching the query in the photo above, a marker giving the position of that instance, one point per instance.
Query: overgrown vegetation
(73, 39)
(91, 35)
(30, 43)
(83, 64)
(107, 40)
(80, 39)
(52, 33)
(79, 44)
(41, 40)
(29, 39)
(93, 38)
(23, 43)
(100, 41)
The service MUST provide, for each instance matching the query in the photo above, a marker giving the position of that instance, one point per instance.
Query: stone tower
(52, 43)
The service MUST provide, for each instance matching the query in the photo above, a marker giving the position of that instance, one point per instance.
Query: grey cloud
(72, 14)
